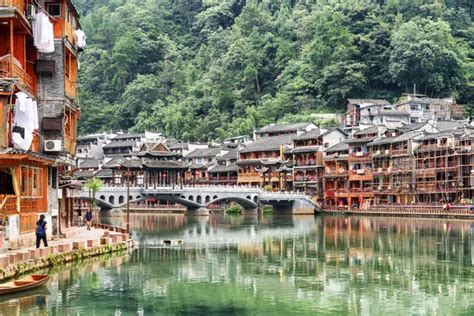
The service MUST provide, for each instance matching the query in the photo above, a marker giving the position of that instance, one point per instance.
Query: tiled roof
(369, 101)
(370, 130)
(334, 129)
(360, 140)
(203, 153)
(306, 149)
(119, 144)
(164, 164)
(104, 173)
(273, 128)
(411, 127)
(392, 113)
(448, 125)
(312, 134)
(392, 140)
(269, 143)
(174, 144)
(128, 136)
(220, 168)
(89, 163)
(342, 146)
(83, 174)
(442, 134)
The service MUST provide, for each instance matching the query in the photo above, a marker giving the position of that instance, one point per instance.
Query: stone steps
(82, 239)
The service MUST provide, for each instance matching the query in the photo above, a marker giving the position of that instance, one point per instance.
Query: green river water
(270, 265)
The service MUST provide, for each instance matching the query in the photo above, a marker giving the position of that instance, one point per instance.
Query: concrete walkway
(76, 238)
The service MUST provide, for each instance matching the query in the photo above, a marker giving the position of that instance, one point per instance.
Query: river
(274, 265)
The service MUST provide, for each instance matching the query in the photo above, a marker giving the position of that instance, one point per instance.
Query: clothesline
(44, 10)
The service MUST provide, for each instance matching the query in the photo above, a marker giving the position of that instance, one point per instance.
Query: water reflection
(279, 265)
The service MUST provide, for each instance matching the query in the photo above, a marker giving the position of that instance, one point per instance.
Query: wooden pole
(128, 199)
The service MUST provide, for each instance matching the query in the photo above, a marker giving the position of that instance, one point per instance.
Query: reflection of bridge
(198, 198)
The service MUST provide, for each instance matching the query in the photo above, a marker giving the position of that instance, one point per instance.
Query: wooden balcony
(18, 4)
(70, 88)
(69, 33)
(13, 71)
(8, 204)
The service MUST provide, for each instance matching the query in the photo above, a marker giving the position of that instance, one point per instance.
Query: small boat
(29, 282)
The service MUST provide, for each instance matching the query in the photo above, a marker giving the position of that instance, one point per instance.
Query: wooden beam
(11, 48)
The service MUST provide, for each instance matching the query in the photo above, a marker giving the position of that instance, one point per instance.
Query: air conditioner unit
(360, 171)
(30, 11)
(53, 145)
(387, 151)
(359, 154)
(380, 169)
(378, 152)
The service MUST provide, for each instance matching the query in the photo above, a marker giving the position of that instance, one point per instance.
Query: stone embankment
(407, 210)
(77, 245)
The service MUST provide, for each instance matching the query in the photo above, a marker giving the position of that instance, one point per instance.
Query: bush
(234, 209)
(267, 209)
(267, 188)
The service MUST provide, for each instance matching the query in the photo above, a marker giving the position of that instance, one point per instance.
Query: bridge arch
(191, 198)
(121, 199)
(207, 199)
(199, 199)
(245, 203)
(102, 197)
(111, 200)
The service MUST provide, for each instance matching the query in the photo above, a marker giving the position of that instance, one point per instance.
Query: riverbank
(404, 210)
(84, 244)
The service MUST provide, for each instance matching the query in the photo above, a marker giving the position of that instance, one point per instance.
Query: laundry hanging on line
(81, 39)
(43, 33)
(26, 121)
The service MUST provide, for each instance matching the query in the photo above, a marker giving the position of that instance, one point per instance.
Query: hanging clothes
(26, 121)
(81, 39)
(43, 33)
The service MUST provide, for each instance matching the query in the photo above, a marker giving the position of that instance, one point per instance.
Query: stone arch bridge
(197, 198)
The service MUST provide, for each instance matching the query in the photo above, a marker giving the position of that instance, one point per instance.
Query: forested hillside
(203, 70)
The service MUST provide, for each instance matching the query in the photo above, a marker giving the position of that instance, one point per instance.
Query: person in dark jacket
(41, 226)
(89, 219)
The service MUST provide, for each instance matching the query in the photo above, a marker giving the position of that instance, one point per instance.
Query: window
(30, 181)
(52, 177)
(54, 9)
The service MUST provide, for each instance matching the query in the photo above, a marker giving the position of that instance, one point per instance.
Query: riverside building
(39, 44)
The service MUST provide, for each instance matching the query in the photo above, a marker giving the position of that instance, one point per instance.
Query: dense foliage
(203, 70)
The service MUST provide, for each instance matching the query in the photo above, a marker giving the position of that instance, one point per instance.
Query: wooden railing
(25, 79)
(70, 88)
(8, 204)
(29, 204)
(19, 4)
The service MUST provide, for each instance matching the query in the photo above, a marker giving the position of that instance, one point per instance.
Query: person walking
(89, 219)
(41, 232)
(79, 216)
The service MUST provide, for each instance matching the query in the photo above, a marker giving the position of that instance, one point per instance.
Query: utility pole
(128, 199)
